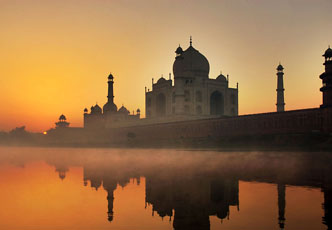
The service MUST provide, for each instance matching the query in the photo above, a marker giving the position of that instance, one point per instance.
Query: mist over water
(86, 188)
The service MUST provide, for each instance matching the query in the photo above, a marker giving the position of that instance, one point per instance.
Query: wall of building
(290, 122)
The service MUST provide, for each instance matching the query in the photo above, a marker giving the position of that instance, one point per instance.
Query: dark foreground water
(71, 188)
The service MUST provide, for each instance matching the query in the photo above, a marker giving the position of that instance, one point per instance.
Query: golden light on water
(35, 196)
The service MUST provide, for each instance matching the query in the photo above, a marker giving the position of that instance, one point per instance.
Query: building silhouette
(280, 89)
(193, 94)
(109, 115)
(327, 79)
(62, 123)
(197, 109)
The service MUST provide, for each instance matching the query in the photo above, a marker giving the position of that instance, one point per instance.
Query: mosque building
(109, 115)
(194, 94)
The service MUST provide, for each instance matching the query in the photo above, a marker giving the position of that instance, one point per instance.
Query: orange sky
(55, 55)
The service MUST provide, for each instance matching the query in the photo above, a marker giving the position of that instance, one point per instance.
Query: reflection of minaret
(327, 218)
(62, 171)
(327, 205)
(110, 199)
(281, 205)
(110, 186)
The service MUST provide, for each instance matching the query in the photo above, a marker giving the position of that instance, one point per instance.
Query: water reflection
(187, 187)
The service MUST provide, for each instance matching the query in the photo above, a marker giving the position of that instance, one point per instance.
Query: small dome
(62, 117)
(179, 50)
(191, 62)
(110, 107)
(221, 78)
(85, 110)
(97, 109)
(138, 110)
(110, 77)
(161, 80)
(280, 67)
(123, 110)
(328, 53)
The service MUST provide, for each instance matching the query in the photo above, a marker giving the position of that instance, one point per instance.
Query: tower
(110, 107)
(179, 85)
(62, 123)
(280, 89)
(327, 79)
(110, 95)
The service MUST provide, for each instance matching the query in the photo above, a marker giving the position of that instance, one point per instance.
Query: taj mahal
(190, 95)
(191, 107)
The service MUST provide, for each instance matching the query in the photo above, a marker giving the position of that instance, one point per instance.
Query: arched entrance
(161, 105)
(216, 103)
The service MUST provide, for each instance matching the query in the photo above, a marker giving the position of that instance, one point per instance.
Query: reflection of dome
(328, 53)
(110, 107)
(161, 80)
(123, 110)
(221, 78)
(280, 67)
(191, 61)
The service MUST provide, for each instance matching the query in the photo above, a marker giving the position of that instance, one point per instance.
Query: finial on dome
(280, 67)
(191, 41)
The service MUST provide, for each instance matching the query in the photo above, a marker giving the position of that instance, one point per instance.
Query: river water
(122, 189)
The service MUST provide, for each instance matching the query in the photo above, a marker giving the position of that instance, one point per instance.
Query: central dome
(191, 63)
(110, 107)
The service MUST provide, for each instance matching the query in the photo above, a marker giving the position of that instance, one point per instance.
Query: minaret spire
(191, 41)
(280, 89)
(110, 95)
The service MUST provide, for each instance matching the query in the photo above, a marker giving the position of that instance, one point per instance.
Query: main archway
(161, 105)
(216, 103)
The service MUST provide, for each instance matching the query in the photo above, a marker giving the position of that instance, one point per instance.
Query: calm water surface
(72, 188)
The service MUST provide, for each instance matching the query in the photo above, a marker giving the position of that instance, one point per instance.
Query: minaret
(327, 79)
(179, 83)
(110, 95)
(280, 90)
(110, 107)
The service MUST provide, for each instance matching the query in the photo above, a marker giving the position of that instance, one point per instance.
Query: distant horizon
(57, 55)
